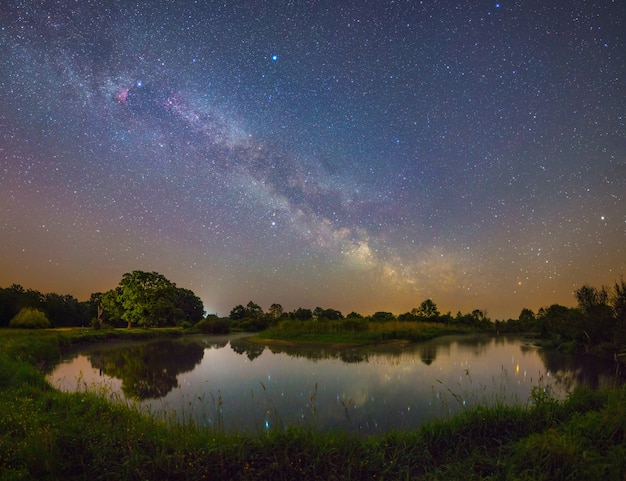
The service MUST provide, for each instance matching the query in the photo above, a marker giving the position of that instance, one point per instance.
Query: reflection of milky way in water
(248, 387)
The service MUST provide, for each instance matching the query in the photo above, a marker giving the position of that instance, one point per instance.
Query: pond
(235, 386)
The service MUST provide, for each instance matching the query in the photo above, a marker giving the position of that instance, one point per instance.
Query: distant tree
(559, 322)
(480, 317)
(589, 297)
(446, 318)
(332, 314)
(276, 311)
(253, 311)
(318, 313)
(354, 315)
(64, 311)
(15, 298)
(618, 300)
(597, 322)
(408, 317)
(427, 310)
(8, 303)
(382, 316)
(527, 315)
(30, 318)
(618, 303)
(94, 310)
(238, 313)
(302, 314)
(526, 320)
(212, 324)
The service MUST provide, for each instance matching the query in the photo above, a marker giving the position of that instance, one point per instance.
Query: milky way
(352, 155)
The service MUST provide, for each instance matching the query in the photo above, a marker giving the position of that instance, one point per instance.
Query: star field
(352, 155)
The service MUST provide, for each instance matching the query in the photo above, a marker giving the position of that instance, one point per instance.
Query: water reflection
(571, 371)
(148, 371)
(233, 385)
(252, 351)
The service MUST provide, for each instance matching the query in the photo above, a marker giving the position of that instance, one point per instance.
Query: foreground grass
(46, 434)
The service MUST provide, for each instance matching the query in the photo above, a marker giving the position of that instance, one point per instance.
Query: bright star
(274, 58)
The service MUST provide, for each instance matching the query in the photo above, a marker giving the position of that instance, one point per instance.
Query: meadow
(46, 434)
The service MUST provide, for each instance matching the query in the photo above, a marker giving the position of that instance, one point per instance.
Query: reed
(357, 331)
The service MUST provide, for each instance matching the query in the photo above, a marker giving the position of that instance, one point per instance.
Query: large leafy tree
(150, 299)
(190, 304)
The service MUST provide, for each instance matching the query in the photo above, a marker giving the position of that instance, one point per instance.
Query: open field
(46, 434)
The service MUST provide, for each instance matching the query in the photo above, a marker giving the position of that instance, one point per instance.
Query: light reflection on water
(231, 385)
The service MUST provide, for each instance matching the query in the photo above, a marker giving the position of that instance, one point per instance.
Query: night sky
(355, 155)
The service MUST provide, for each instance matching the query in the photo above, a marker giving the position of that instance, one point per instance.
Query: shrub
(212, 325)
(30, 318)
(352, 324)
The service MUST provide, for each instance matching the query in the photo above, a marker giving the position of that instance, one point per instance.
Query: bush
(212, 325)
(352, 324)
(30, 318)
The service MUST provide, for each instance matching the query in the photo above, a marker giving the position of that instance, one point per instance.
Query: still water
(232, 385)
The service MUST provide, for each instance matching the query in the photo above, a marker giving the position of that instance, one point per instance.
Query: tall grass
(358, 331)
(49, 435)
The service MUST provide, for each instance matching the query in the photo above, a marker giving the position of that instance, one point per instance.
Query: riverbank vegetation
(47, 434)
(597, 325)
(351, 331)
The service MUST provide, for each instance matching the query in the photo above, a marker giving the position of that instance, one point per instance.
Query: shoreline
(49, 434)
(336, 346)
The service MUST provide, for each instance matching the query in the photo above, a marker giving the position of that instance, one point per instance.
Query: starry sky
(356, 155)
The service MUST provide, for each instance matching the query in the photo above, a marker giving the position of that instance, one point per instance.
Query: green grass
(351, 331)
(49, 435)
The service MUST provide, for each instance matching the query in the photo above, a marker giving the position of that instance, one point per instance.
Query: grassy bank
(46, 434)
(350, 332)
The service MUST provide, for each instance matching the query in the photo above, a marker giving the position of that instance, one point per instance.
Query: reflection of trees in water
(571, 371)
(248, 348)
(353, 356)
(148, 371)
(428, 353)
(320, 354)
(392, 353)
(526, 348)
(480, 344)
(215, 344)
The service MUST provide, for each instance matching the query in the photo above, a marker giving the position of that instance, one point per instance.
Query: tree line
(142, 299)
(597, 323)
(252, 315)
(149, 299)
